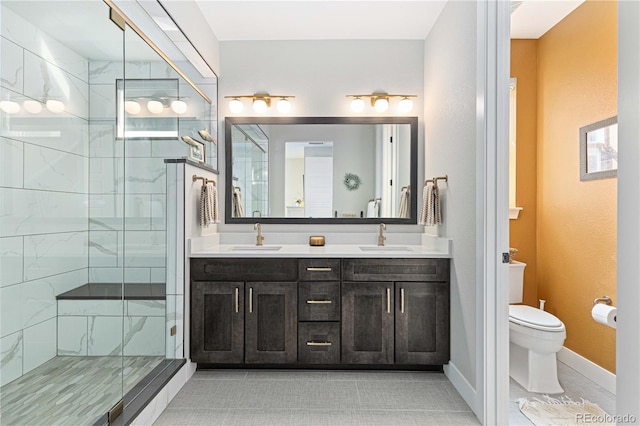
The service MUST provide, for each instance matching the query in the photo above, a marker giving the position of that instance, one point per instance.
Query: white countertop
(335, 250)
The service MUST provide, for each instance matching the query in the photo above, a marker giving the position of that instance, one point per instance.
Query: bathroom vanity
(325, 312)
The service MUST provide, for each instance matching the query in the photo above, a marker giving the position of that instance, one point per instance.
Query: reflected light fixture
(55, 106)
(10, 107)
(155, 107)
(132, 107)
(178, 106)
(33, 107)
(380, 101)
(261, 102)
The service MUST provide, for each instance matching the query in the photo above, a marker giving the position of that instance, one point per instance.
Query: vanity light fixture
(179, 107)
(54, 106)
(155, 107)
(132, 107)
(261, 102)
(32, 107)
(380, 101)
(10, 107)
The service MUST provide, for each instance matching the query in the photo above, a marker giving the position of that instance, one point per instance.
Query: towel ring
(436, 179)
(203, 179)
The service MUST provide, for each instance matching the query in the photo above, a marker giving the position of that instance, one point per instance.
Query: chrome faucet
(259, 238)
(381, 237)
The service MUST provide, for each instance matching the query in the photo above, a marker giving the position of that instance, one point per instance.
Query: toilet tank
(516, 280)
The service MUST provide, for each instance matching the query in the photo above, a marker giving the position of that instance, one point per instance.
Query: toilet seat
(534, 318)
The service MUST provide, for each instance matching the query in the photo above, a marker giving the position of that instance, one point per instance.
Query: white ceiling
(357, 19)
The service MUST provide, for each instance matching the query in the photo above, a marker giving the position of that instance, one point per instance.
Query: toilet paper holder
(604, 299)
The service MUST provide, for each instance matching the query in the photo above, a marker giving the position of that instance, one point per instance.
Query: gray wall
(450, 134)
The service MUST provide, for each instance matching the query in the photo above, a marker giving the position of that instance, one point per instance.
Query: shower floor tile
(71, 390)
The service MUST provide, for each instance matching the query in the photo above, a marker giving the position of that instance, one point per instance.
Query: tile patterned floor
(575, 385)
(293, 398)
(71, 390)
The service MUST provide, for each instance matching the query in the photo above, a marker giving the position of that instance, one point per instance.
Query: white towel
(208, 205)
(431, 210)
(405, 199)
(372, 208)
(426, 196)
(238, 208)
(431, 205)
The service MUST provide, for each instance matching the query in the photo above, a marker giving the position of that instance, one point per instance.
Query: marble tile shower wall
(44, 211)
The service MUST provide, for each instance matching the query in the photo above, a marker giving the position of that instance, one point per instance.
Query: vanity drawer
(319, 342)
(319, 269)
(319, 301)
(255, 269)
(395, 269)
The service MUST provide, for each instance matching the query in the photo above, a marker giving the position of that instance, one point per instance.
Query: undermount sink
(256, 248)
(384, 248)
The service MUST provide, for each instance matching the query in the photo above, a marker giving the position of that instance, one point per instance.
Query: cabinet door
(271, 323)
(367, 322)
(422, 323)
(217, 322)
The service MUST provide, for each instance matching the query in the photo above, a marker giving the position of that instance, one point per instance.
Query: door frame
(492, 226)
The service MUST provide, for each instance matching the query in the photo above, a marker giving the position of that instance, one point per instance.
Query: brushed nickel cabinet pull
(250, 300)
(319, 302)
(318, 269)
(237, 301)
(388, 301)
(312, 343)
(402, 300)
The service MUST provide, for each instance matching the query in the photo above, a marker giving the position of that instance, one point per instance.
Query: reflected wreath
(351, 181)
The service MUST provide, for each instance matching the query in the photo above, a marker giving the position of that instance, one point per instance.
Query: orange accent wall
(576, 221)
(522, 232)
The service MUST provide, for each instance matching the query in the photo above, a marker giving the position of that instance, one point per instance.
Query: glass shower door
(61, 286)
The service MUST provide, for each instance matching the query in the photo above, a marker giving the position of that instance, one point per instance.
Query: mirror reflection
(321, 170)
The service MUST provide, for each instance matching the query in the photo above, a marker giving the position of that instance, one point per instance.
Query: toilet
(535, 336)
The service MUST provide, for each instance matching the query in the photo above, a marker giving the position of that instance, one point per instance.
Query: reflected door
(318, 186)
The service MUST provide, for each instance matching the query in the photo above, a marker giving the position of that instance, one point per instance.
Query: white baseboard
(464, 388)
(590, 370)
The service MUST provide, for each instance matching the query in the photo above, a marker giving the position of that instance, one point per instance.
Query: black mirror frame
(412, 121)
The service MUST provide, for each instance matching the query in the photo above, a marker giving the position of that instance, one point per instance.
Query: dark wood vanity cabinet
(316, 311)
(244, 311)
(395, 311)
(217, 321)
(271, 323)
(367, 322)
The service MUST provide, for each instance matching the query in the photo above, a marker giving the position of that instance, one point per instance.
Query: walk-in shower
(89, 111)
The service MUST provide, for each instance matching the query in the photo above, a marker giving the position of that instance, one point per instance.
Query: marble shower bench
(93, 317)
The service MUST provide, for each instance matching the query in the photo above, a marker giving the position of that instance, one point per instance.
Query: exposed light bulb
(381, 104)
(155, 107)
(33, 107)
(10, 107)
(357, 105)
(284, 106)
(235, 105)
(259, 105)
(178, 106)
(55, 106)
(132, 107)
(405, 105)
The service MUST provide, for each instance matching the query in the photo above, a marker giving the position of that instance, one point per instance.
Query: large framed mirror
(321, 170)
